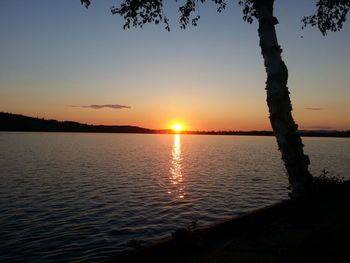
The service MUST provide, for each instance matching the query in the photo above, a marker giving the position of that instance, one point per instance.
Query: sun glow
(178, 127)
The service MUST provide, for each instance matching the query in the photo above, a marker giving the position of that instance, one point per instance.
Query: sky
(61, 61)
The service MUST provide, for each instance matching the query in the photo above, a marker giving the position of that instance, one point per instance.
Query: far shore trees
(329, 15)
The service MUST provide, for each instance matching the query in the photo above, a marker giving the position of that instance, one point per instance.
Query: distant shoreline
(19, 123)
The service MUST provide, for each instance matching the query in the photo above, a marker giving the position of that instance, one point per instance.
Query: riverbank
(314, 231)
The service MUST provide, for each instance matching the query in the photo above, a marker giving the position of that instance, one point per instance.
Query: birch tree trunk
(279, 104)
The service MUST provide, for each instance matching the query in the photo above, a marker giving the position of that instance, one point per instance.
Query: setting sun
(177, 127)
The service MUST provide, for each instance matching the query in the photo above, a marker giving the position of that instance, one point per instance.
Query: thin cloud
(313, 108)
(98, 107)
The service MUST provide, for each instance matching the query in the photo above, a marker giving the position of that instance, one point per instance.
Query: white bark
(278, 101)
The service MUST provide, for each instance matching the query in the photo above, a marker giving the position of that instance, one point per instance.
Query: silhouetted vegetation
(308, 133)
(325, 181)
(17, 122)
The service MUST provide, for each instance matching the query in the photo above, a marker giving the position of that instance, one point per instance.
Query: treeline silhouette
(304, 133)
(17, 122)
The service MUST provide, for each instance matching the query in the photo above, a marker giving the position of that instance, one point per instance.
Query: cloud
(313, 108)
(97, 107)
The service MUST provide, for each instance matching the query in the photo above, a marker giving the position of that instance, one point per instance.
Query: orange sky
(209, 78)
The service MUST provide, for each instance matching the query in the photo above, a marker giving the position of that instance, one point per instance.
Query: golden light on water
(176, 177)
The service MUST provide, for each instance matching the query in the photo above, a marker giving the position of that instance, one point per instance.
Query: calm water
(82, 197)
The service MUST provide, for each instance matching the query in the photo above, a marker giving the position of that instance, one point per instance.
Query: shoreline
(181, 133)
(19, 123)
(282, 232)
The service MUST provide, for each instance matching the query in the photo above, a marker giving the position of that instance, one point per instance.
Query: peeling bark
(279, 104)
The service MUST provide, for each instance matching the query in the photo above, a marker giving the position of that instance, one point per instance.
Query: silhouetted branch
(329, 16)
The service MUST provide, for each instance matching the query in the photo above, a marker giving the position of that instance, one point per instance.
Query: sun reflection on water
(176, 177)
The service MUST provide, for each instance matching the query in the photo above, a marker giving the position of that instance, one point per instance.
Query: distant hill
(17, 122)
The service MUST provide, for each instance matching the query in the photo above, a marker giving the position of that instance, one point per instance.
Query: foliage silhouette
(16, 122)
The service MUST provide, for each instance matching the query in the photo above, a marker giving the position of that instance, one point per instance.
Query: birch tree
(329, 15)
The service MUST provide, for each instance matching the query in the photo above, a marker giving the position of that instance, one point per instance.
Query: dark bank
(312, 230)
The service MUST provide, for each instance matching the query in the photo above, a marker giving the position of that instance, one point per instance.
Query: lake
(79, 197)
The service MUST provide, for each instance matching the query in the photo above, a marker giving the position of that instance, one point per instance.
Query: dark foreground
(314, 231)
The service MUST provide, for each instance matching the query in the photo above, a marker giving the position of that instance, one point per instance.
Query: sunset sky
(61, 61)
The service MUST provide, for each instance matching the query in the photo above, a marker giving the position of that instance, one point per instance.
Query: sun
(177, 127)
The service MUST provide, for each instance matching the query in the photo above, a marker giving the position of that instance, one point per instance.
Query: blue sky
(54, 54)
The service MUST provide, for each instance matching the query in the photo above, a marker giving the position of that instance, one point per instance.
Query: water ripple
(82, 197)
